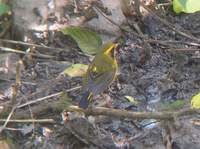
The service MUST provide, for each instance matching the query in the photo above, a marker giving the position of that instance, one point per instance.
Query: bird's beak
(110, 49)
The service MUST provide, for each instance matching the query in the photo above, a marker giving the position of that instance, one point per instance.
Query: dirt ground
(159, 66)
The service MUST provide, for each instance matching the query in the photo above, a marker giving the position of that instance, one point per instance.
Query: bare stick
(114, 23)
(7, 120)
(46, 97)
(171, 26)
(30, 44)
(167, 42)
(117, 113)
(5, 49)
(29, 121)
(185, 49)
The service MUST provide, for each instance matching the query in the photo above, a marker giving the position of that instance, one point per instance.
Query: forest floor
(159, 64)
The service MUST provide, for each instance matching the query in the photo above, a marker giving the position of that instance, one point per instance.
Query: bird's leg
(90, 106)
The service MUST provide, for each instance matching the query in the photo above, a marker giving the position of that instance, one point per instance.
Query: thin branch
(147, 39)
(167, 42)
(39, 100)
(185, 49)
(30, 44)
(14, 129)
(46, 97)
(42, 47)
(117, 113)
(5, 49)
(8, 119)
(120, 27)
(29, 121)
(189, 36)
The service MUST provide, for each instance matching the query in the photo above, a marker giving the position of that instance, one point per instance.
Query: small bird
(100, 74)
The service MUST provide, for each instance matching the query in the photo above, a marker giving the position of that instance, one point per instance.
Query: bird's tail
(85, 99)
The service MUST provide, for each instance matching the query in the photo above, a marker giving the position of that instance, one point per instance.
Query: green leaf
(177, 7)
(76, 70)
(195, 102)
(88, 41)
(132, 100)
(187, 6)
(4, 9)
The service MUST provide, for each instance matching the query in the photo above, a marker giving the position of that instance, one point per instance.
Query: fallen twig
(29, 121)
(39, 99)
(7, 120)
(167, 42)
(30, 44)
(46, 97)
(5, 49)
(120, 27)
(185, 49)
(117, 113)
(183, 33)
(41, 47)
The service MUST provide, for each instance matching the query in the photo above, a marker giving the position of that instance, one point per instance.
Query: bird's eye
(94, 73)
(94, 69)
